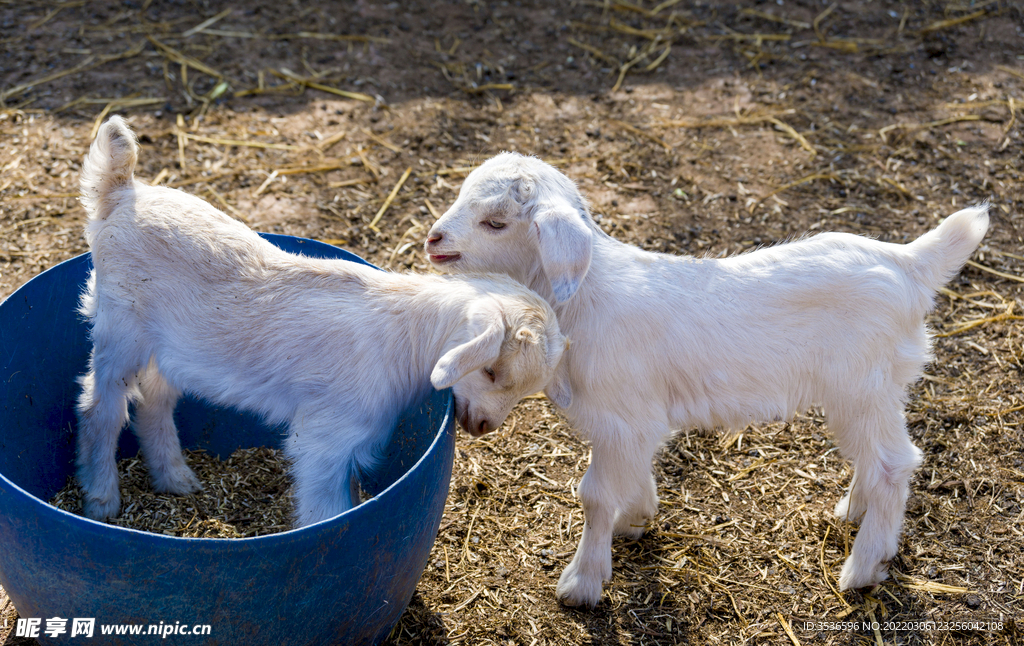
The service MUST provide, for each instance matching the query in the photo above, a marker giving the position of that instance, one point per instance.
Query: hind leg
(631, 520)
(884, 459)
(153, 424)
(102, 413)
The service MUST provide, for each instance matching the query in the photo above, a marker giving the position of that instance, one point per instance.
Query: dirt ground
(694, 128)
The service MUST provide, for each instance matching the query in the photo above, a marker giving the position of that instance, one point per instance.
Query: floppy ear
(472, 355)
(559, 391)
(565, 248)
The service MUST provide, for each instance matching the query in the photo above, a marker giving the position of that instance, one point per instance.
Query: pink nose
(484, 427)
(434, 237)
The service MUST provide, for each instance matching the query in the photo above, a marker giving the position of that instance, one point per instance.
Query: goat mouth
(481, 427)
(444, 259)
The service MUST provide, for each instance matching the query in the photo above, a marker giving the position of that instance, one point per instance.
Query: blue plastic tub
(342, 581)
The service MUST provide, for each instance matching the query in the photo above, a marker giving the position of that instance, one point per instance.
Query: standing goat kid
(664, 342)
(183, 298)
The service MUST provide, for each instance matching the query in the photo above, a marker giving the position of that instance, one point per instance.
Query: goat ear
(559, 391)
(565, 248)
(472, 355)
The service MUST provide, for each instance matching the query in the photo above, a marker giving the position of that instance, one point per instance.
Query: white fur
(663, 342)
(183, 298)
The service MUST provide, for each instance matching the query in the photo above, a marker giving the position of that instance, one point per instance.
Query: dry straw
(248, 494)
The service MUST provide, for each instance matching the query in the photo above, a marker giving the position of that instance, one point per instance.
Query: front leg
(581, 581)
(321, 491)
(327, 454)
(323, 484)
(619, 478)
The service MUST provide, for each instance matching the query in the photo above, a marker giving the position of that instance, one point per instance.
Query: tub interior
(45, 347)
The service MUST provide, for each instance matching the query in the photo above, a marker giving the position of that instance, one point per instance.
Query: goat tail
(939, 254)
(109, 166)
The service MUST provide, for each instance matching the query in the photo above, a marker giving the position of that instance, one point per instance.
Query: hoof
(178, 481)
(575, 591)
(579, 587)
(101, 509)
(855, 576)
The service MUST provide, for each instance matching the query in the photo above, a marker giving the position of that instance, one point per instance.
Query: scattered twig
(382, 141)
(664, 5)
(1009, 126)
(1008, 315)
(430, 207)
(399, 249)
(350, 182)
(295, 78)
(322, 168)
(270, 178)
(330, 141)
(932, 587)
(633, 31)
(391, 196)
(641, 133)
(926, 126)
(1010, 70)
(206, 23)
(199, 180)
(994, 272)
(184, 60)
(952, 22)
(359, 38)
(238, 142)
(220, 198)
(486, 87)
(789, 130)
(658, 61)
(468, 600)
(726, 122)
(465, 543)
(810, 178)
(182, 140)
(441, 172)
(819, 18)
(789, 630)
(625, 67)
(779, 19)
(367, 164)
(25, 223)
(824, 569)
(120, 103)
(161, 176)
(595, 51)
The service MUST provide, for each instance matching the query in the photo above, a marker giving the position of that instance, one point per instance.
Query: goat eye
(490, 373)
(494, 224)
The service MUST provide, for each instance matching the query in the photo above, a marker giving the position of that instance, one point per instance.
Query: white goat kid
(183, 298)
(662, 342)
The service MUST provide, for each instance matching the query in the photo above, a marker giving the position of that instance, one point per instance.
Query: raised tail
(109, 166)
(938, 255)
